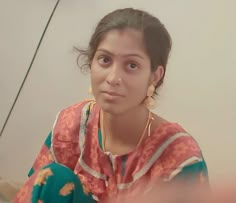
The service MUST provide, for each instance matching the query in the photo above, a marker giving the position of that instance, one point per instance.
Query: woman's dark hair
(156, 38)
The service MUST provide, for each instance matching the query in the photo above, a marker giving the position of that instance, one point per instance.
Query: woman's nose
(114, 76)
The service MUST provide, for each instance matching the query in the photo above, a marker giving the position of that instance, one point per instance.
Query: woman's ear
(157, 75)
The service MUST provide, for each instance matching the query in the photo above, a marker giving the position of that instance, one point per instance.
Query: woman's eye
(132, 66)
(103, 60)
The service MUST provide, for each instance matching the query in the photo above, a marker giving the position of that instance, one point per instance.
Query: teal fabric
(47, 143)
(100, 138)
(192, 173)
(48, 192)
(51, 185)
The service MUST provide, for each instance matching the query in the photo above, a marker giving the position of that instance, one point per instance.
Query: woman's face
(120, 71)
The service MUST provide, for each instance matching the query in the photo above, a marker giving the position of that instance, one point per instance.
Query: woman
(109, 146)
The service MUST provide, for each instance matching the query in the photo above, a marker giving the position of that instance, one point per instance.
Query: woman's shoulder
(174, 137)
(78, 106)
(167, 131)
(175, 148)
(173, 141)
(68, 120)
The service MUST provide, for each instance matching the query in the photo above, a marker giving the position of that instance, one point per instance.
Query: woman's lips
(111, 95)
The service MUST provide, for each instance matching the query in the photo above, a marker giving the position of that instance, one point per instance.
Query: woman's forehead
(123, 42)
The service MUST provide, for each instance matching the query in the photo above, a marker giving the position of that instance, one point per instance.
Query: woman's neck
(124, 129)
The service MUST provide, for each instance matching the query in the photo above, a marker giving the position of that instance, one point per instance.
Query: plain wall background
(199, 90)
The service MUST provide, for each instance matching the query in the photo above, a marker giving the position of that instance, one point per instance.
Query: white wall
(199, 90)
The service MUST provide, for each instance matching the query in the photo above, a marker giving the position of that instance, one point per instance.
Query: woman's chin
(111, 108)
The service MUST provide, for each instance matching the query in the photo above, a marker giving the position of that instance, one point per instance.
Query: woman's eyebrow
(123, 55)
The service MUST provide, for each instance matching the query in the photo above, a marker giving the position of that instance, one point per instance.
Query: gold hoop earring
(150, 101)
(90, 91)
